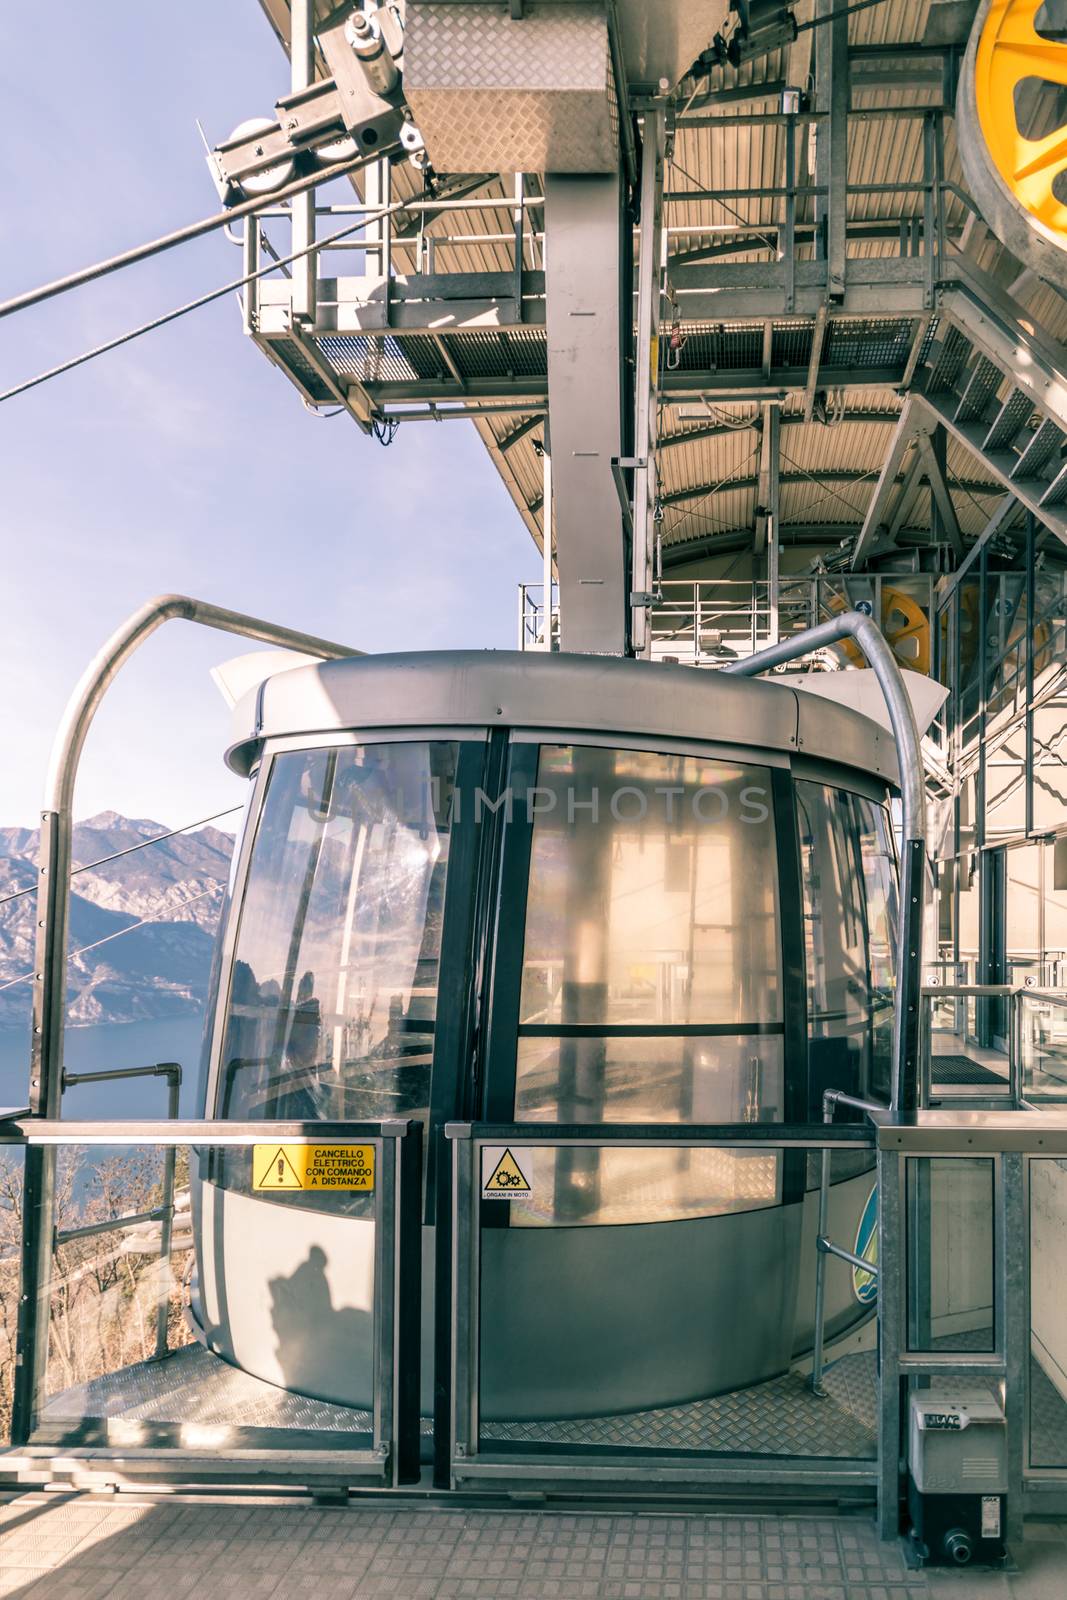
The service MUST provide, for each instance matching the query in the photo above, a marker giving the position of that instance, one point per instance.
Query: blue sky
(185, 461)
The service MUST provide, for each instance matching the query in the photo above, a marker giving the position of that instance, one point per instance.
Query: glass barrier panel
(964, 1055)
(212, 1297)
(1043, 1048)
(950, 1253)
(11, 1176)
(660, 1299)
(1048, 1326)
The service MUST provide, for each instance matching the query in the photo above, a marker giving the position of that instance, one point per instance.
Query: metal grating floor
(778, 1418)
(191, 1389)
(962, 1070)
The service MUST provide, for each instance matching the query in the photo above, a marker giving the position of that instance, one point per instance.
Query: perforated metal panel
(496, 94)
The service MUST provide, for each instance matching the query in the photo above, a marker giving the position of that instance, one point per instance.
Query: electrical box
(957, 1474)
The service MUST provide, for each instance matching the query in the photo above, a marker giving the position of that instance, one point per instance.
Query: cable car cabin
(558, 889)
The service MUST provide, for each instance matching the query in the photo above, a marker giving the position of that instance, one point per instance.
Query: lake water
(102, 1047)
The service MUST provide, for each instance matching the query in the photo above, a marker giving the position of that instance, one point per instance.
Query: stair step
(949, 361)
(1008, 420)
(1056, 493)
(983, 381)
(1040, 450)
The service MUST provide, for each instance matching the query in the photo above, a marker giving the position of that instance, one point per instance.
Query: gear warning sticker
(505, 1175)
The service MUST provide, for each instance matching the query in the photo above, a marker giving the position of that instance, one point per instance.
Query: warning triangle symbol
(508, 1176)
(279, 1173)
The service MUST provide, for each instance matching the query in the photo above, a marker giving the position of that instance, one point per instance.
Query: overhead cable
(157, 838)
(168, 241)
(206, 299)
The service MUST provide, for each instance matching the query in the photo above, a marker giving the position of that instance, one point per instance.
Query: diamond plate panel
(495, 95)
(192, 1386)
(780, 1418)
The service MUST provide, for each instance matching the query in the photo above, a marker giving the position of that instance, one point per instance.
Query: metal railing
(164, 1212)
(706, 622)
(390, 1457)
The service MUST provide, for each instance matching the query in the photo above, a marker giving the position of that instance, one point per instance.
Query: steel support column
(584, 322)
(831, 159)
(302, 73)
(767, 520)
(646, 383)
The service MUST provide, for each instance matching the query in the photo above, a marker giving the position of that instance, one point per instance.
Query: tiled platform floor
(71, 1548)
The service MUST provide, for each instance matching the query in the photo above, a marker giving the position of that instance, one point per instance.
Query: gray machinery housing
(958, 1466)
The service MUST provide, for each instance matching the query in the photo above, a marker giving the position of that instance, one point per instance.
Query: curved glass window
(651, 987)
(848, 868)
(334, 988)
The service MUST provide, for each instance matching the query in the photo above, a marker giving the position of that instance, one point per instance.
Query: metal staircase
(990, 381)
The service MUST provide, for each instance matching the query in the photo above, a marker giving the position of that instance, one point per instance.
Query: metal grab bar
(832, 1098)
(827, 1247)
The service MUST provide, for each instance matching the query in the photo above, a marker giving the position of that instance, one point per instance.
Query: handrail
(53, 894)
(866, 633)
(31, 1131)
(663, 1133)
(53, 916)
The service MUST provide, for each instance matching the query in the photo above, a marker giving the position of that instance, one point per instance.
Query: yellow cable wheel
(905, 625)
(1012, 130)
(907, 629)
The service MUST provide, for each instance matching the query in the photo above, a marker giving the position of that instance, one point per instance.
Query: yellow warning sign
(506, 1179)
(312, 1166)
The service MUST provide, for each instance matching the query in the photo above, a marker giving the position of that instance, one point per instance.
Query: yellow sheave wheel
(906, 628)
(1010, 50)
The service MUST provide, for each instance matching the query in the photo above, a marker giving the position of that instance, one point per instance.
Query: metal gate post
(1013, 1316)
(891, 1280)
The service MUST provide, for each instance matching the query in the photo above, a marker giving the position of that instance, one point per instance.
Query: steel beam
(823, 476)
(744, 386)
(944, 522)
(923, 414)
(906, 498)
(584, 219)
(998, 522)
(818, 333)
(1035, 367)
(877, 519)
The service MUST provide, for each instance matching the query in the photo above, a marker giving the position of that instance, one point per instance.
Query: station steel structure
(754, 286)
(790, 314)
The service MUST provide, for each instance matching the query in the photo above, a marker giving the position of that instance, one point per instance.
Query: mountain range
(142, 926)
